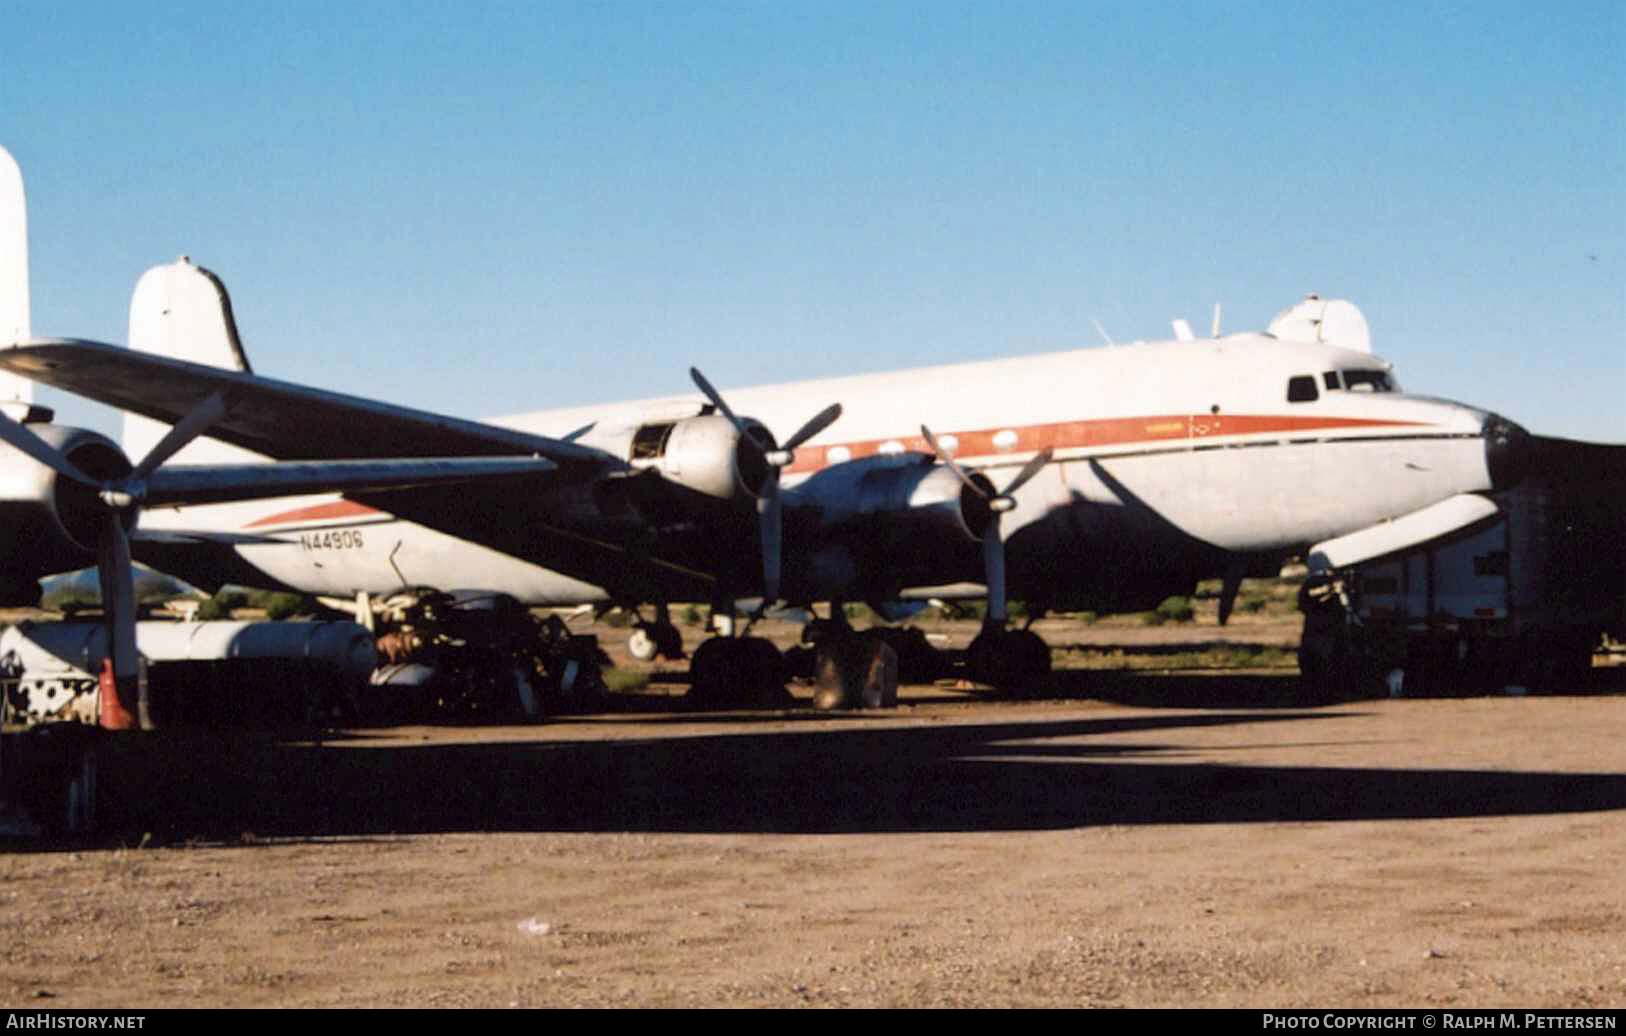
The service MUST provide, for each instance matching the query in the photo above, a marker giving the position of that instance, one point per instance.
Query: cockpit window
(1301, 389)
(1368, 381)
(1330, 379)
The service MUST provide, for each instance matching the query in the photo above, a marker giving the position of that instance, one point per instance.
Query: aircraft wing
(206, 560)
(291, 422)
(279, 419)
(536, 528)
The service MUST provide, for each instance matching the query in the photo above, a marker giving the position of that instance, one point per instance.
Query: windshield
(1362, 380)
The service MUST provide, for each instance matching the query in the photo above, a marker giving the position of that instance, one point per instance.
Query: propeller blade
(943, 456)
(993, 568)
(822, 420)
(118, 599)
(194, 424)
(18, 435)
(771, 523)
(717, 401)
(1029, 469)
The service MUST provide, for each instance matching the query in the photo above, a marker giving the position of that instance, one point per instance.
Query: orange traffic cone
(112, 714)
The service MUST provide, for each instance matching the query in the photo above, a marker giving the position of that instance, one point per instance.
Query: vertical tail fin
(183, 311)
(15, 326)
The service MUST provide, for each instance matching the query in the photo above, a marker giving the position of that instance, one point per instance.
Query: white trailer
(1521, 600)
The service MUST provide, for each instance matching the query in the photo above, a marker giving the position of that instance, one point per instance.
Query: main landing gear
(1007, 659)
(851, 668)
(737, 670)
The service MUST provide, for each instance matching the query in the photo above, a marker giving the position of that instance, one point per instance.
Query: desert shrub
(692, 616)
(213, 609)
(1152, 619)
(1175, 609)
(282, 605)
(621, 680)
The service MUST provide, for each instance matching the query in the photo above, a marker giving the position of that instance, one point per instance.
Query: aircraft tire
(737, 670)
(761, 671)
(642, 646)
(708, 670)
(1007, 660)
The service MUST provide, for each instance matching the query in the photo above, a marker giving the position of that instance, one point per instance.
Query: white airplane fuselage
(1167, 454)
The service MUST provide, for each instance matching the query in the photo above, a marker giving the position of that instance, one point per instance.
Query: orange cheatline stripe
(1113, 431)
(1062, 435)
(315, 512)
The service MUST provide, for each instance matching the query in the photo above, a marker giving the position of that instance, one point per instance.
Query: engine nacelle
(908, 495)
(885, 523)
(705, 454)
(49, 523)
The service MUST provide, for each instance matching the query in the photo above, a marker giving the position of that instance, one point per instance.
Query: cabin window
(1301, 389)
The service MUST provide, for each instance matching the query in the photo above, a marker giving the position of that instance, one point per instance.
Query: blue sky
(485, 209)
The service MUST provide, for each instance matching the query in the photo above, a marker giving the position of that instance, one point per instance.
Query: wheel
(708, 670)
(641, 645)
(737, 669)
(1007, 659)
(918, 661)
(759, 671)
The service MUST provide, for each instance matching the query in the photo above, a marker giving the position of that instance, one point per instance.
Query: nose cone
(1507, 452)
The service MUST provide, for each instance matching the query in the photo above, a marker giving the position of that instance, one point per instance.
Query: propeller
(993, 546)
(119, 497)
(775, 457)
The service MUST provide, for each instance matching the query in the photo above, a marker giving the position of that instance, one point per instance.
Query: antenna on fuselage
(1103, 331)
(1214, 328)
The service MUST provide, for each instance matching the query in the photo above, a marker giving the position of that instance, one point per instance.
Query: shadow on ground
(1023, 774)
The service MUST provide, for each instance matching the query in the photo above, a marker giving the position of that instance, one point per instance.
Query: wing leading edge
(278, 419)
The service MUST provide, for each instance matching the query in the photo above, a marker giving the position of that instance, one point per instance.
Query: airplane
(1104, 479)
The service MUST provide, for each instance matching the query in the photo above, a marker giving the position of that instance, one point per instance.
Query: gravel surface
(1190, 841)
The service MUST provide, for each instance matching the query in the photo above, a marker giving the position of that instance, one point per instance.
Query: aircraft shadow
(1007, 776)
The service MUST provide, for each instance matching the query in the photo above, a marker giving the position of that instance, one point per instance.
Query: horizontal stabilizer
(1403, 533)
(179, 484)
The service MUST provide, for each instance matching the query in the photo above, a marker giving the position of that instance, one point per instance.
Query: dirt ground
(1120, 838)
